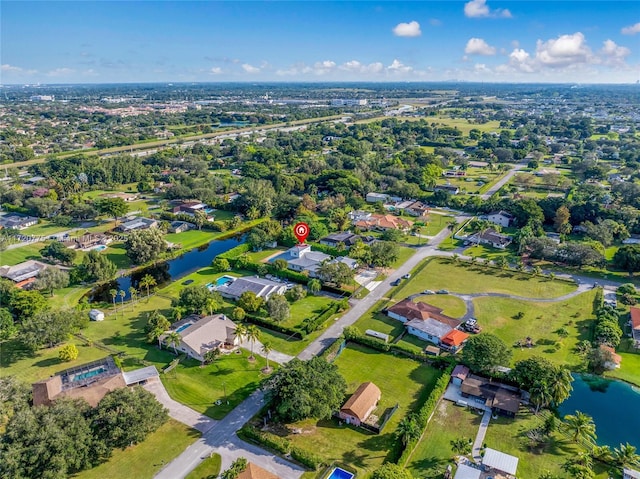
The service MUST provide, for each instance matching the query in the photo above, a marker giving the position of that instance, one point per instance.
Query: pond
(614, 406)
(166, 271)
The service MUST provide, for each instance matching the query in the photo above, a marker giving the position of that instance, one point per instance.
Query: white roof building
(467, 472)
(500, 461)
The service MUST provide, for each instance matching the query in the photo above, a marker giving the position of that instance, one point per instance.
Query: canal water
(613, 405)
(166, 271)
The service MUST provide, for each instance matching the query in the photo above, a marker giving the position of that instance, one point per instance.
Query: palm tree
(122, 294)
(266, 350)
(173, 339)
(148, 281)
(626, 455)
(552, 276)
(212, 304)
(580, 426)
(461, 446)
(536, 271)
(501, 262)
(560, 388)
(177, 313)
(241, 332)
(408, 430)
(113, 293)
(253, 335)
(540, 396)
(133, 292)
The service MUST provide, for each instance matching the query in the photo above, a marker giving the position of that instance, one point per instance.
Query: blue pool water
(183, 327)
(88, 374)
(223, 280)
(338, 473)
(100, 247)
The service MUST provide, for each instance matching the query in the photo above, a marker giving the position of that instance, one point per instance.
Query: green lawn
(489, 253)
(146, 459)
(192, 238)
(508, 436)
(404, 254)
(451, 305)
(207, 469)
(463, 278)
(67, 297)
(118, 254)
(629, 368)
(377, 321)
(199, 387)
(433, 453)
(260, 256)
(18, 255)
(401, 380)
(541, 322)
(308, 307)
(44, 228)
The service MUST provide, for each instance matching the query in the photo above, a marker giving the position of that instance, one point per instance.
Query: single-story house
(361, 404)
(255, 472)
(635, 325)
(180, 226)
(200, 335)
(191, 207)
(90, 381)
(500, 462)
(125, 196)
(350, 262)
(23, 273)
(500, 398)
(454, 340)
(17, 222)
(417, 208)
(96, 315)
(454, 190)
(492, 238)
(501, 218)
(137, 224)
(383, 223)
(262, 287)
(459, 374)
(345, 238)
(358, 215)
(630, 474)
(376, 197)
(467, 472)
(423, 320)
(615, 359)
(88, 241)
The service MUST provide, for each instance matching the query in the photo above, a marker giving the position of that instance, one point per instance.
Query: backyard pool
(222, 280)
(338, 473)
(100, 247)
(183, 327)
(88, 374)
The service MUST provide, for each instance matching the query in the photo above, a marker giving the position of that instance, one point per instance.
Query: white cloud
(613, 54)
(564, 51)
(477, 46)
(60, 72)
(324, 67)
(355, 66)
(631, 29)
(411, 29)
(521, 61)
(215, 71)
(250, 68)
(397, 67)
(6, 68)
(480, 9)
(481, 68)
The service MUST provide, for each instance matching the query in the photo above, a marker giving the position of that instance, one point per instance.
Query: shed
(432, 351)
(96, 315)
(500, 461)
(459, 374)
(467, 472)
(377, 334)
(361, 404)
(140, 376)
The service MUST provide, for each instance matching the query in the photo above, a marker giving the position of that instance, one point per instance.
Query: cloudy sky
(172, 41)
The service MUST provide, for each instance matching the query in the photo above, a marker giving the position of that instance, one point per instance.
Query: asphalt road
(503, 181)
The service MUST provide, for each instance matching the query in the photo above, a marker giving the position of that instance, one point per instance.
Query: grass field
(541, 321)
(380, 322)
(209, 468)
(191, 239)
(403, 255)
(630, 367)
(401, 380)
(145, 460)
(489, 253)
(451, 305)
(118, 254)
(433, 453)
(465, 278)
(308, 307)
(44, 228)
(18, 255)
(231, 378)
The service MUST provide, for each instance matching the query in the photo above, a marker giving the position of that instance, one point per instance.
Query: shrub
(68, 352)
(306, 458)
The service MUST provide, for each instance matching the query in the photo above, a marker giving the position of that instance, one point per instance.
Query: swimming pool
(338, 473)
(88, 374)
(100, 247)
(222, 280)
(183, 327)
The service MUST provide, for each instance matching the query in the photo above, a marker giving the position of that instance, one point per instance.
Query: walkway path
(482, 432)
(275, 356)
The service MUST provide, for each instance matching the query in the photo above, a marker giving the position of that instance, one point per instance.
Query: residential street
(503, 181)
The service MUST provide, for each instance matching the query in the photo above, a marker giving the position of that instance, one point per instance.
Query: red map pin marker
(301, 231)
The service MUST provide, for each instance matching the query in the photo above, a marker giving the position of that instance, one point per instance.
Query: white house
(376, 197)
(630, 474)
(96, 315)
(201, 335)
(501, 218)
(262, 287)
(492, 238)
(303, 259)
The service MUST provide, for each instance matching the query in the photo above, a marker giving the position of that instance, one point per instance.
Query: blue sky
(477, 40)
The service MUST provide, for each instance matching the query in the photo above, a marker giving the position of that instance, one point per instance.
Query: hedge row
(235, 252)
(352, 334)
(282, 445)
(598, 300)
(425, 412)
(267, 323)
(310, 325)
(323, 248)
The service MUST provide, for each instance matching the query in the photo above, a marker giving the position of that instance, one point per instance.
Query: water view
(613, 406)
(168, 270)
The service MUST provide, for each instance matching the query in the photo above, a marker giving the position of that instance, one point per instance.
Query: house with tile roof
(635, 325)
(425, 321)
(255, 472)
(383, 223)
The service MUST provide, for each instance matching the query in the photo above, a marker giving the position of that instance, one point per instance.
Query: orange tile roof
(635, 317)
(455, 337)
(616, 358)
(255, 472)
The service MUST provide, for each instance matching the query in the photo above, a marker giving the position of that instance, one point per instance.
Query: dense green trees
(547, 383)
(51, 278)
(7, 327)
(156, 325)
(306, 389)
(198, 299)
(335, 272)
(56, 250)
(113, 207)
(391, 471)
(278, 307)
(51, 327)
(144, 246)
(628, 258)
(484, 351)
(94, 267)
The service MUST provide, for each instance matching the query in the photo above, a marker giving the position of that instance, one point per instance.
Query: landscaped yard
(489, 253)
(404, 254)
(401, 380)
(629, 368)
(463, 278)
(307, 307)
(433, 453)
(14, 256)
(44, 228)
(541, 322)
(118, 254)
(146, 459)
(208, 468)
(451, 305)
(377, 321)
(230, 378)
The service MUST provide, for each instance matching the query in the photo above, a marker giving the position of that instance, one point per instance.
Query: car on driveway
(396, 282)
(428, 291)
(442, 291)
(407, 276)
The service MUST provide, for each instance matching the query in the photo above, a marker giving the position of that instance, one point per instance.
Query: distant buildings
(192, 207)
(383, 223)
(42, 97)
(233, 288)
(501, 218)
(14, 221)
(349, 102)
(128, 197)
(137, 224)
(23, 274)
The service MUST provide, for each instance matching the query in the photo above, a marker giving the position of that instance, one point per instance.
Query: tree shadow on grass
(44, 363)
(13, 351)
(355, 459)
(432, 465)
